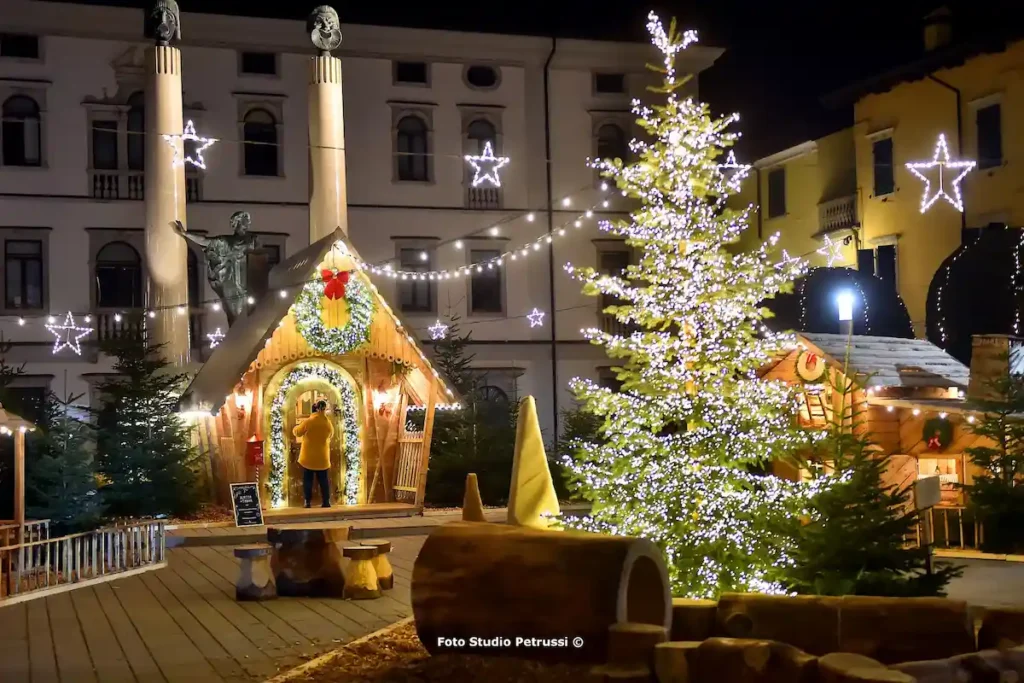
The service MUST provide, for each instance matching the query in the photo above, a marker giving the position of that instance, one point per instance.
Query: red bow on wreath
(334, 283)
(812, 360)
(935, 443)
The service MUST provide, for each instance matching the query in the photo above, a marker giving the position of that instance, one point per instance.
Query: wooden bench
(360, 577)
(307, 560)
(381, 564)
(255, 577)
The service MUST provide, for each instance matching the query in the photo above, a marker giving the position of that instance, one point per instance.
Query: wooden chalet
(264, 375)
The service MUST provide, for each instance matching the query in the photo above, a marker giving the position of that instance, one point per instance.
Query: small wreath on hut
(810, 367)
(937, 433)
(309, 313)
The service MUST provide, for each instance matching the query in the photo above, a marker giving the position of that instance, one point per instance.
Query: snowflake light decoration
(536, 318)
(438, 331)
(943, 168)
(68, 335)
(181, 158)
(486, 166)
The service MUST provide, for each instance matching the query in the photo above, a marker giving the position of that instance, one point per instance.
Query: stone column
(166, 258)
(328, 197)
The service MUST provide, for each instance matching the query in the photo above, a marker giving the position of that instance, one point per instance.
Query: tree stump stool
(381, 564)
(360, 577)
(255, 577)
(307, 560)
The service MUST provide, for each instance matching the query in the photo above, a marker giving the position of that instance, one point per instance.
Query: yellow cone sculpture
(532, 494)
(472, 506)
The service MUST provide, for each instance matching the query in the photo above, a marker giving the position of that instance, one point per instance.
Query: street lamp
(844, 302)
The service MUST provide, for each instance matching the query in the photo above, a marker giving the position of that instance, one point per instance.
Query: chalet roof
(244, 344)
(891, 362)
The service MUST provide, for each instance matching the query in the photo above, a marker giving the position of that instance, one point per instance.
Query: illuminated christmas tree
(686, 439)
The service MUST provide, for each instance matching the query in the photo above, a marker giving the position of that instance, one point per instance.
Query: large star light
(181, 158)
(536, 317)
(942, 169)
(485, 166)
(68, 335)
(832, 251)
(215, 337)
(733, 171)
(438, 331)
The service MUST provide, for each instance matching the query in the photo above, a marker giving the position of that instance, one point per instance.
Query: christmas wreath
(309, 313)
(937, 433)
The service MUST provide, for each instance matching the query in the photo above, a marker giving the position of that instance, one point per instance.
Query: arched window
(195, 288)
(118, 276)
(21, 132)
(492, 404)
(612, 143)
(412, 149)
(479, 133)
(259, 131)
(137, 132)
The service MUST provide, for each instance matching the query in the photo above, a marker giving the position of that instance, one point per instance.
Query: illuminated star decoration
(485, 166)
(69, 334)
(215, 338)
(536, 318)
(201, 144)
(733, 171)
(958, 169)
(831, 251)
(438, 331)
(786, 260)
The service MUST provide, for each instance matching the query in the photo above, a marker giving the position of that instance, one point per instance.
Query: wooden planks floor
(182, 623)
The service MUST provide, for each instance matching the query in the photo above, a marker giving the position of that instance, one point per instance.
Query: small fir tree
(144, 451)
(60, 473)
(996, 495)
(854, 539)
(11, 402)
(683, 440)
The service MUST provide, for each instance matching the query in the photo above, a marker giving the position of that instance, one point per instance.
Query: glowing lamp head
(844, 301)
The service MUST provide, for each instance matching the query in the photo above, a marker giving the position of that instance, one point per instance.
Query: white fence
(35, 530)
(91, 556)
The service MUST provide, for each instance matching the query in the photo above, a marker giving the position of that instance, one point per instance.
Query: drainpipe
(959, 142)
(760, 209)
(551, 247)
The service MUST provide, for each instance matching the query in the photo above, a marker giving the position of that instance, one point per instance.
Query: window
(104, 145)
(118, 276)
(411, 72)
(21, 132)
(611, 142)
(23, 270)
(412, 149)
(609, 84)
(482, 76)
(415, 296)
(485, 294)
(479, 133)
(777, 193)
(492, 405)
(19, 45)
(26, 401)
(989, 121)
(260, 63)
(259, 133)
(881, 152)
(195, 289)
(137, 132)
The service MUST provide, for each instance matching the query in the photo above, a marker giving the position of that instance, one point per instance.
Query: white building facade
(415, 102)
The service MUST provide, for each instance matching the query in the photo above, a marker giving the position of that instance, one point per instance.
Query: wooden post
(19, 483)
(428, 430)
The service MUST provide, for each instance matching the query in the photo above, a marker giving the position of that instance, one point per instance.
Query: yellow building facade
(854, 184)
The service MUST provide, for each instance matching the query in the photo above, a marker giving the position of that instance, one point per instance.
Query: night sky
(781, 56)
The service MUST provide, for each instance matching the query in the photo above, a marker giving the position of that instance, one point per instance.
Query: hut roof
(243, 347)
(891, 362)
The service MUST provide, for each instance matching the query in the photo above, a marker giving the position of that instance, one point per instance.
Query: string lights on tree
(536, 318)
(945, 172)
(182, 157)
(680, 439)
(68, 335)
(486, 167)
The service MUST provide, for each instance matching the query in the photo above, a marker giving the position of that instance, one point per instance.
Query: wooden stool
(255, 578)
(381, 564)
(360, 577)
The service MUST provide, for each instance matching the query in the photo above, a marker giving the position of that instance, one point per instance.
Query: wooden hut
(323, 331)
(911, 398)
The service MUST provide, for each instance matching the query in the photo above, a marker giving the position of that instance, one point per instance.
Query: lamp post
(844, 302)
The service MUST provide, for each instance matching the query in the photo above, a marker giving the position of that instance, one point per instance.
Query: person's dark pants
(321, 480)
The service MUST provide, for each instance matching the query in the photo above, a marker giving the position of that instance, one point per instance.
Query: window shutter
(887, 264)
(866, 261)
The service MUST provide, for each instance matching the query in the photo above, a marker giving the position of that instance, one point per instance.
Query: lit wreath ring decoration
(937, 434)
(334, 340)
(349, 422)
(810, 367)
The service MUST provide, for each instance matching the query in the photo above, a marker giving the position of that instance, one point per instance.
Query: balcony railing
(35, 530)
(483, 197)
(838, 214)
(118, 184)
(951, 527)
(130, 325)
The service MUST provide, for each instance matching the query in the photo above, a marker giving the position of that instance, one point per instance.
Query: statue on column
(226, 259)
(163, 22)
(324, 28)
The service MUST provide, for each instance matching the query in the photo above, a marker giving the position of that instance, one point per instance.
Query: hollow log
(493, 582)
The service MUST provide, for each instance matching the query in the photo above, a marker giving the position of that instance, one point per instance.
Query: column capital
(324, 68)
(163, 60)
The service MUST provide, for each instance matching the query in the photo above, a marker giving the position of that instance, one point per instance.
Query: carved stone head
(324, 28)
(240, 222)
(163, 22)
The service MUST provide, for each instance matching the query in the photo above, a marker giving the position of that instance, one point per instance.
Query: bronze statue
(163, 22)
(324, 28)
(226, 261)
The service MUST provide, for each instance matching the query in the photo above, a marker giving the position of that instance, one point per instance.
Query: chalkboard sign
(245, 501)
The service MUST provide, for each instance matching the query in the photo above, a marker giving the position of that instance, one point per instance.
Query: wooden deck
(182, 623)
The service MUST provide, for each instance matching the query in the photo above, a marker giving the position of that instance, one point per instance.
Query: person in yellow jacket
(315, 454)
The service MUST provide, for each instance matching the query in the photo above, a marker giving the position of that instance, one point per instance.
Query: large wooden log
(493, 582)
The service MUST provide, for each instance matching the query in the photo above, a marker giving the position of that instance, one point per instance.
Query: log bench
(307, 559)
(255, 578)
(381, 564)
(360, 577)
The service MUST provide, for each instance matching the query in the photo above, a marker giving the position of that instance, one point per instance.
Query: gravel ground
(398, 657)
